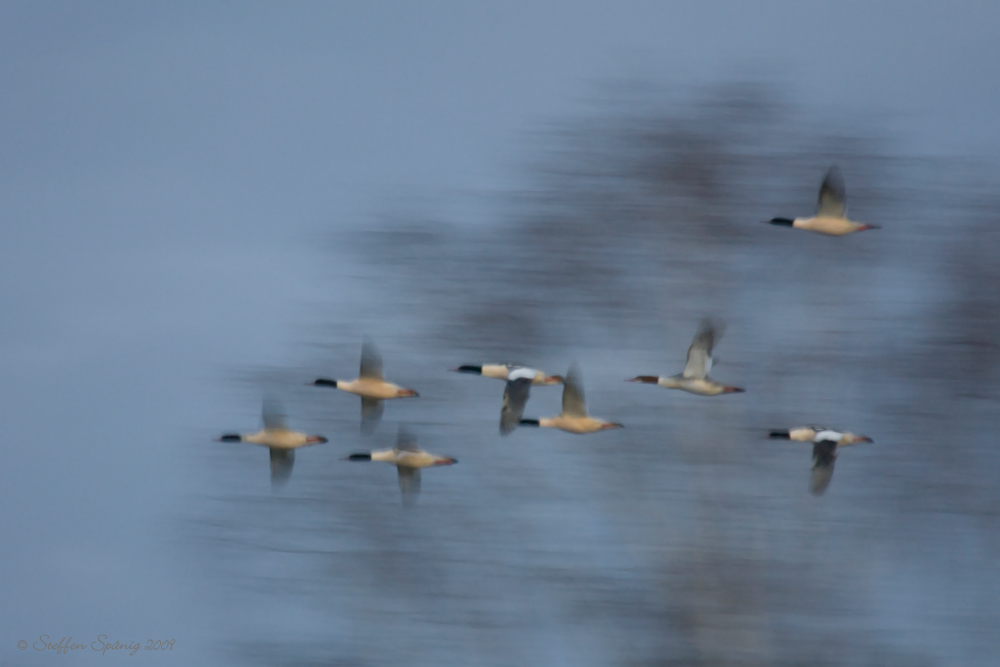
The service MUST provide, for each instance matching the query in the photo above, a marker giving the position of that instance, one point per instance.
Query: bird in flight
(574, 417)
(831, 217)
(370, 386)
(826, 442)
(695, 379)
(279, 439)
(408, 459)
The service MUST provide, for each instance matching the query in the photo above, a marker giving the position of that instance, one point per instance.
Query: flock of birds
(373, 388)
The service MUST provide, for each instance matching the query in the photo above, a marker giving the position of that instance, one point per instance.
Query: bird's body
(576, 424)
(831, 213)
(373, 388)
(799, 433)
(825, 443)
(408, 460)
(695, 378)
(829, 225)
(574, 417)
(702, 386)
(503, 371)
(370, 386)
(279, 439)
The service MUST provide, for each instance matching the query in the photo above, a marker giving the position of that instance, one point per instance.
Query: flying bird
(370, 386)
(408, 460)
(830, 218)
(503, 371)
(695, 379)
(826, 442)
(574, 417)
(279, 439)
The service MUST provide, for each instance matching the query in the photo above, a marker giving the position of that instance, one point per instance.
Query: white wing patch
(526, 373)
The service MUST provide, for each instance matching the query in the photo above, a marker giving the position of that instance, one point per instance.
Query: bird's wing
(371, 413)
(574, 403)
(274, 415)
(409, 484)
(515, 397)
(832, 195)
(406, 441)
(371, 361)
(699, 357)
(824, 456)
(282, 461)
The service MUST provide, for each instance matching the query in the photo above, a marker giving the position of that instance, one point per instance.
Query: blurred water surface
(686, 538)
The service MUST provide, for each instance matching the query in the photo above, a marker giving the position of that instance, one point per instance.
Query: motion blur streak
(687, 538)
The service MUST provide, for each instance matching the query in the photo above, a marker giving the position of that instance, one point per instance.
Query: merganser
(826, 442)
(695, 378)
(279, 439)
(574, 417)
(408, 460)
(830, 218)
(503, 371)
(369, 386)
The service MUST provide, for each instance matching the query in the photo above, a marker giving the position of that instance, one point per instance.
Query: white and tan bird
(574, 417)
(831, 217)
(825, 442)
(503, 371)
(695, 379)
(370, 386)
(408, 460)
(279, 439)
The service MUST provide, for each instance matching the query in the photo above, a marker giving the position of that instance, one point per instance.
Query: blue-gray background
(201, 205)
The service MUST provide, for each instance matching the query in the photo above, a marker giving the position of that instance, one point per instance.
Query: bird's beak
(554, 379)
(318, 439)
(733, 390)
(863, 438)
(864, 227)
(407, 393)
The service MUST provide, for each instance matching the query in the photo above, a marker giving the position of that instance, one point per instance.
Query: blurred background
(206, 205)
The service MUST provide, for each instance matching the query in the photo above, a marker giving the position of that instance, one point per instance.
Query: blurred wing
(371, 413)
(574, 403)
(371, 361)
(406, 441)
(824, 456)
(832, 195)
(515, 397)
(282, 461)
(699, 357)
(409, 484)
(274, 415)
